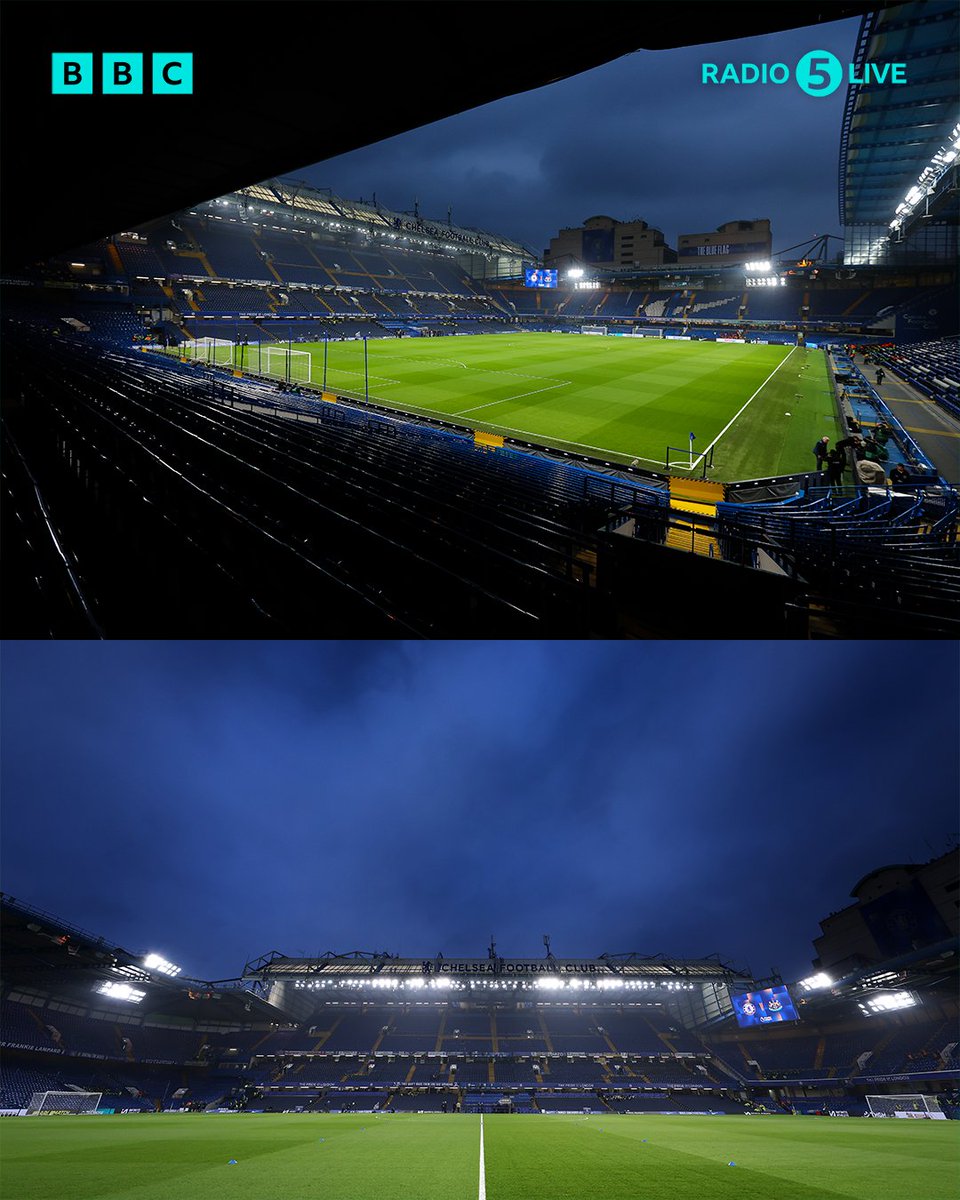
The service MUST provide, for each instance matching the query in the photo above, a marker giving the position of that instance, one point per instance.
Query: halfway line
(483, 1180)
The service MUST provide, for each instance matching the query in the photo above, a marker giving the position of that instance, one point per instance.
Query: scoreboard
(540, 277)
(764, 1007)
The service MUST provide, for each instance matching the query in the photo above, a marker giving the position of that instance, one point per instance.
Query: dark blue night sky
(638, 137)
(213, 801)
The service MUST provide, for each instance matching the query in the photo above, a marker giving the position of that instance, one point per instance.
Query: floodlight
(153, 962)
(820, 980)
(121, 991)
(756, 266)
(889, 1002)
(575, 273)
(550, 983)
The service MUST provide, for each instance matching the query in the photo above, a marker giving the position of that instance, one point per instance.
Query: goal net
(210, 350)
(915, 1105)
(598, 329)
(291, 365)
(63, 1102)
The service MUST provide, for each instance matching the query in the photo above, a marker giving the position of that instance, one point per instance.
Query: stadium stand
(525, 546)
(833, 1066)
(931, 367)
(279, 264)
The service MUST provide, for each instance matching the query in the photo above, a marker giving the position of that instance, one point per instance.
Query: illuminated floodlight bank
(448, 982)
(550, 984)
(928, 179)
(155, 962)
(121, 991)
(813, 982)
(888, 1002)
(762, 268)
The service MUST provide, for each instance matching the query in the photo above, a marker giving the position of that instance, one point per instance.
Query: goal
(210, 350)
(906, 1105)
(63, 1102)
(597, 329)
(291, 365)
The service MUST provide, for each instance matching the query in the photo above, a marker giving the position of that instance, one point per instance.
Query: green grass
(618, 399)
(411, 1157)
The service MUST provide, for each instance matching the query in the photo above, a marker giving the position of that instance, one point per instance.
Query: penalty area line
(703, 454)
(482, 1195)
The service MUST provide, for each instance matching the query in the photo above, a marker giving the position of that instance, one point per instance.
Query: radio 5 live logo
(122, 74)
(818, 73)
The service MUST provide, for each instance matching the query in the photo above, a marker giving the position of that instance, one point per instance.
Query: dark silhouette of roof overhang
(281, 85)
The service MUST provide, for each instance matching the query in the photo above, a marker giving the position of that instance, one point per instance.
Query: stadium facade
(368, 1031)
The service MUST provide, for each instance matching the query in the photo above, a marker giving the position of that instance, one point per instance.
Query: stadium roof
(81, 168)
(362, 966)
(323, 204)
(890, 132)
(44, 953)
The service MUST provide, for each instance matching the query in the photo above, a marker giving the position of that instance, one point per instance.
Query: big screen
(540, 277)
(764, 1007)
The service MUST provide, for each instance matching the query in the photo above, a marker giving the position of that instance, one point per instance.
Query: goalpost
(63, 1102)
(595, 329)
(906, 1105)
(210, 350)
(291, 365)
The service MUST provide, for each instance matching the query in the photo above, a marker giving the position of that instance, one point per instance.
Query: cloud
(640, 136)
(215, 800)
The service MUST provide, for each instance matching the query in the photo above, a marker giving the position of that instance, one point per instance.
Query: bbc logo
(123, 74)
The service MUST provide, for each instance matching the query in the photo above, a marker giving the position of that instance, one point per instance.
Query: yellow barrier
(699, 490)
(329, 397)
(487, 439)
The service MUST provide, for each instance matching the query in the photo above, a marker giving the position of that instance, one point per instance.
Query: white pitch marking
(568, 442)
(704, 453)
(384, 380)
(507, 399)
(483, 1178)
(441, 361)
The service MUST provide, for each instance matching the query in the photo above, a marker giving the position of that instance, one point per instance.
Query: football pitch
(436, 1157)
(623, 400)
